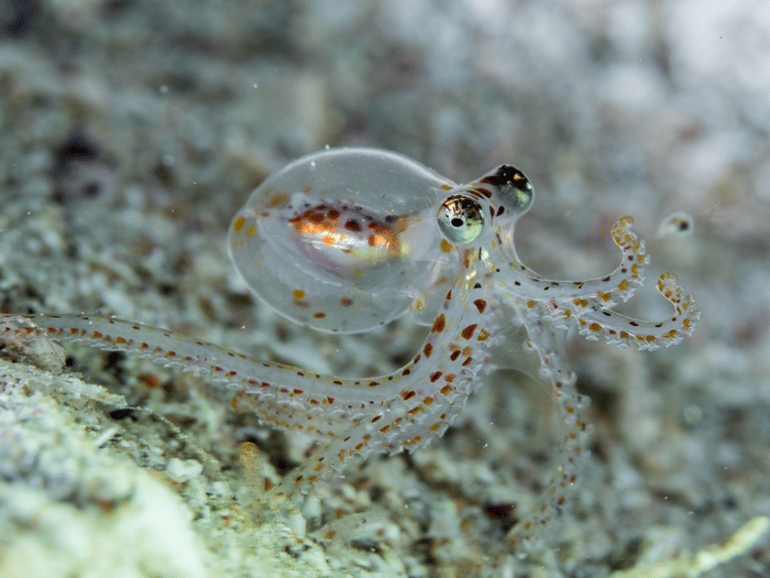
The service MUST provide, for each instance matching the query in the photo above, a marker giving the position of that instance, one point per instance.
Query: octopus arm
(622, 282)
(618, 329)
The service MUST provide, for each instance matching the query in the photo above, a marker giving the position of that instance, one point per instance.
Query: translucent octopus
(348, 239)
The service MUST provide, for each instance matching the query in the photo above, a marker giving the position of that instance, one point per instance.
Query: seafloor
(133, 131)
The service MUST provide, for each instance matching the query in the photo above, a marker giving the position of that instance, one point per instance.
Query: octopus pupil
(457, 222)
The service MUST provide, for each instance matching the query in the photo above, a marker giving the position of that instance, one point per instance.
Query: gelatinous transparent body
(341, 240)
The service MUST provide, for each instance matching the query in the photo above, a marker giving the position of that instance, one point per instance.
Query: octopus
(349, 239)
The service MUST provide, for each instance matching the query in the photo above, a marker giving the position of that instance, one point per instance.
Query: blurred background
(133, 131)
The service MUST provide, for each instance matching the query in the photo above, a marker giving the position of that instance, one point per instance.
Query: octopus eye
(519, 187)
(460, 219)
(515, 190)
